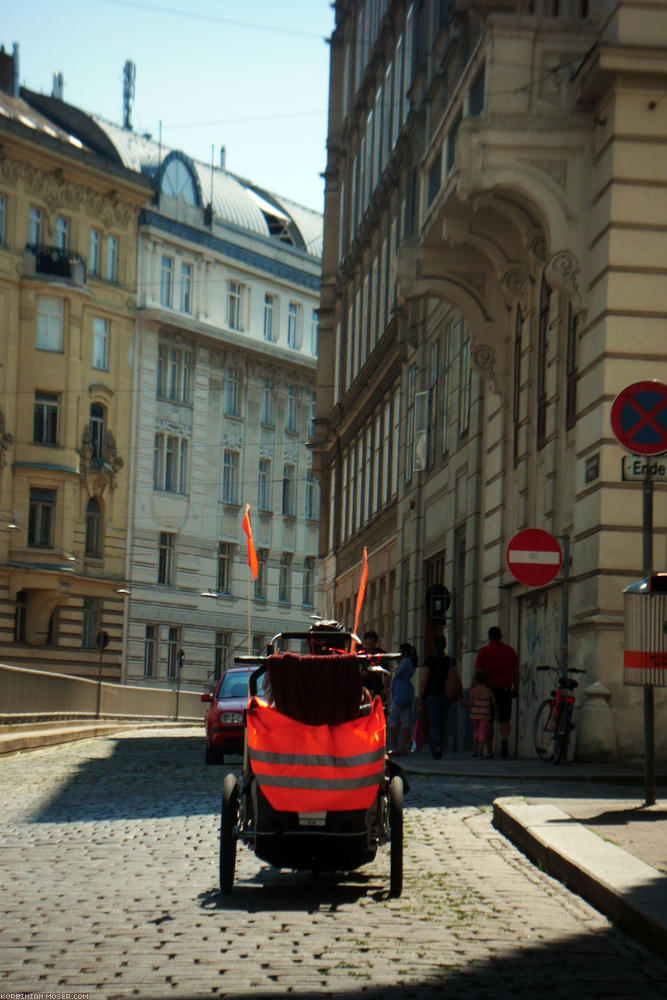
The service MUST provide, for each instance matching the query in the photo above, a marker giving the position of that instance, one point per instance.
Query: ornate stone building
(492, 278)
(68, 233)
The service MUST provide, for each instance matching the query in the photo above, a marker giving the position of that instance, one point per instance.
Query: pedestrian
(374, 677)
(432, 692)
(402, 696)
(501, 665)
(481, 703)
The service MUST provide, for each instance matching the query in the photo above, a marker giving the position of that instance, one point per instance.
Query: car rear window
(234, 686)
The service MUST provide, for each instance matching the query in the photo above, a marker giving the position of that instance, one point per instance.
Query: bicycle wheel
(543, 733)
(562, 734)
(228, 820)
(396, 836)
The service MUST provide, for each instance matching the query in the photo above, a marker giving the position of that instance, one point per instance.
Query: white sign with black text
(637, 468)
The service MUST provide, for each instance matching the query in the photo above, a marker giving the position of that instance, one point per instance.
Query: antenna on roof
(129, 74)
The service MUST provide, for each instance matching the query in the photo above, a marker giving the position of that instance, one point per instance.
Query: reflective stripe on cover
(304, 768)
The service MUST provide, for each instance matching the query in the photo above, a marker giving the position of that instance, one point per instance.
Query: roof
(17, 110)
(234, 199)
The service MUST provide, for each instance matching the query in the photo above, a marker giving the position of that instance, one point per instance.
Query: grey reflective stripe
(328, 784)
(315, 760)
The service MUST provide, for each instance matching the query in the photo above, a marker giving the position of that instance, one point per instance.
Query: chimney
(6, 71)
(16, 70)
(223, 157)
(58, 88)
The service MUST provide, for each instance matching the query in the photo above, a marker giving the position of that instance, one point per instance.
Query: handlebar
(556, 670)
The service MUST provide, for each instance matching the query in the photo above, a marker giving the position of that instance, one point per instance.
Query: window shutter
(421, 431)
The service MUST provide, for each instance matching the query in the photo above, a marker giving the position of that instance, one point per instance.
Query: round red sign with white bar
(534, 557)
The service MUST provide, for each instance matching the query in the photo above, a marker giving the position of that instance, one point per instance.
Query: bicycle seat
(570, 683)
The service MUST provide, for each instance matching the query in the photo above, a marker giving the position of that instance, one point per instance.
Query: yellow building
(68, 225)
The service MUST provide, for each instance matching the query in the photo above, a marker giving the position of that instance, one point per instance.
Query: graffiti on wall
(539, 646)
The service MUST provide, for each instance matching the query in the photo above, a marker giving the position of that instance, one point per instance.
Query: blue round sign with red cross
(639, 418)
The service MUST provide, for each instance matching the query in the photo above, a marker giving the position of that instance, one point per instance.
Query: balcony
(41, 261)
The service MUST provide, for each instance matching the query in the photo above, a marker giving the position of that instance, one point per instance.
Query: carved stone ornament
(98, 473)
(6, 439)
(484, 359)
(563, 269)
(538, 248)
(514, 285)
(555, 169)
(58, 193)
(475, 279)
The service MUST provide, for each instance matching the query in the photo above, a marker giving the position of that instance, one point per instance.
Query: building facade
(68, 233)
(492, 279)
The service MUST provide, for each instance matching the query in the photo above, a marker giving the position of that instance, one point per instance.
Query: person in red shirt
(502, 670)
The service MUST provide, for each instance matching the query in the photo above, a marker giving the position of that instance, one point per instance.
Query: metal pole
(180, 656)
(565, 607)
(99, 683)
(649, 719)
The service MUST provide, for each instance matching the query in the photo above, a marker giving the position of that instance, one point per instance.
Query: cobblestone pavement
(108, 885)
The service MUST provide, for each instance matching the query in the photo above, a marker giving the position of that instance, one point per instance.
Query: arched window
(178, 181)
(93, 528)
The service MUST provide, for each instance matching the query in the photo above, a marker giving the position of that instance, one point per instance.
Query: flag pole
(252, 564)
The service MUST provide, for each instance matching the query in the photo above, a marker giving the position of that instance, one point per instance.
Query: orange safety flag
(360, 595)
(252, 555)
(302, 768)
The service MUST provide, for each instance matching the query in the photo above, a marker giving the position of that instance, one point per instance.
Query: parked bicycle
(553, 721)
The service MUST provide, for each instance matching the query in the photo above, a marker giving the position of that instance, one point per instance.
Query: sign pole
(565, 606)
(649, 715)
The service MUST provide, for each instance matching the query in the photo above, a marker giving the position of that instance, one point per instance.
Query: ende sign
(638, 469)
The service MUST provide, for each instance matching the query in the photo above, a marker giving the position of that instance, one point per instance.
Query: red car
(224, 719)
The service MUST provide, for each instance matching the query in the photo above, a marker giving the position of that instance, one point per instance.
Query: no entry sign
(639, 418)
(534, 557)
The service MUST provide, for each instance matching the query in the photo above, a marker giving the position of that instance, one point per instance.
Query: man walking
(502, 669)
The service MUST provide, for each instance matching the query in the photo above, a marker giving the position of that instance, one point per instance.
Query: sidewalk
(586, 824)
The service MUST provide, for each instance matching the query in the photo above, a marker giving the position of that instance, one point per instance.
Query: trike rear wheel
(544, 733)
(396, 836)
(229, 815)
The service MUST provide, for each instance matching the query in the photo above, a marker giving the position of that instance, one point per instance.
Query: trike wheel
(396, 836)
(228, 822)
(544, 731)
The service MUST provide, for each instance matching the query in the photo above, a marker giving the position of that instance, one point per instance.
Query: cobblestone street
(108, 884)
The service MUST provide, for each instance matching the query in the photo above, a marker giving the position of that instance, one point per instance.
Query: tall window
(542, 341)
(36, 225)
(166, 281)
(410, 422)
(266, 404)
(49, 323)
(94, 253)
(264, 484)
(230, 476)
(270, 317)
(173, 646)
(232, 392)
(97, 420)
(45, 422)
(312, 497)
(93, 528)
(285, 578)
(100, 343)
(165, 558)
(20, 614)
(516, 387)
(3, 220)
(294, 325)
(236, 294)
(41, 514)
(571, 369)
(174, 367)
(223, 645)
(170, 463)
(90, 624)
(289, 491)
(290, 411)
(112, 258)
(313, 411)
(150, 649)
(308, 580)
(186, 287)
(62, 232)
(313, 333)
(225, 560)
(465, 381)
(260, 582)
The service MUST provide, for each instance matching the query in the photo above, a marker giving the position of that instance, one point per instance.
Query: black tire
(214, 755)
(562, 735)
(396, 836)
(543, 733)
(229, 815)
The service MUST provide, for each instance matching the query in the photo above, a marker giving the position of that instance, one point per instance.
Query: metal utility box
(645, 632)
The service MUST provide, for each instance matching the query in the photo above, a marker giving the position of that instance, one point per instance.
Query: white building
(222, 404)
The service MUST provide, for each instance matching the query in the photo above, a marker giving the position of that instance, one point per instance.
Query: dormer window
(178, 181)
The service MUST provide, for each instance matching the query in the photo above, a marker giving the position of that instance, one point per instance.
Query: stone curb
(629, 892)
(33, 739)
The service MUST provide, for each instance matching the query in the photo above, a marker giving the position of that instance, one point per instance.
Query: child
(479, 702)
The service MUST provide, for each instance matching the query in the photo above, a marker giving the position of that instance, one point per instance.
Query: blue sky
(250, 76)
